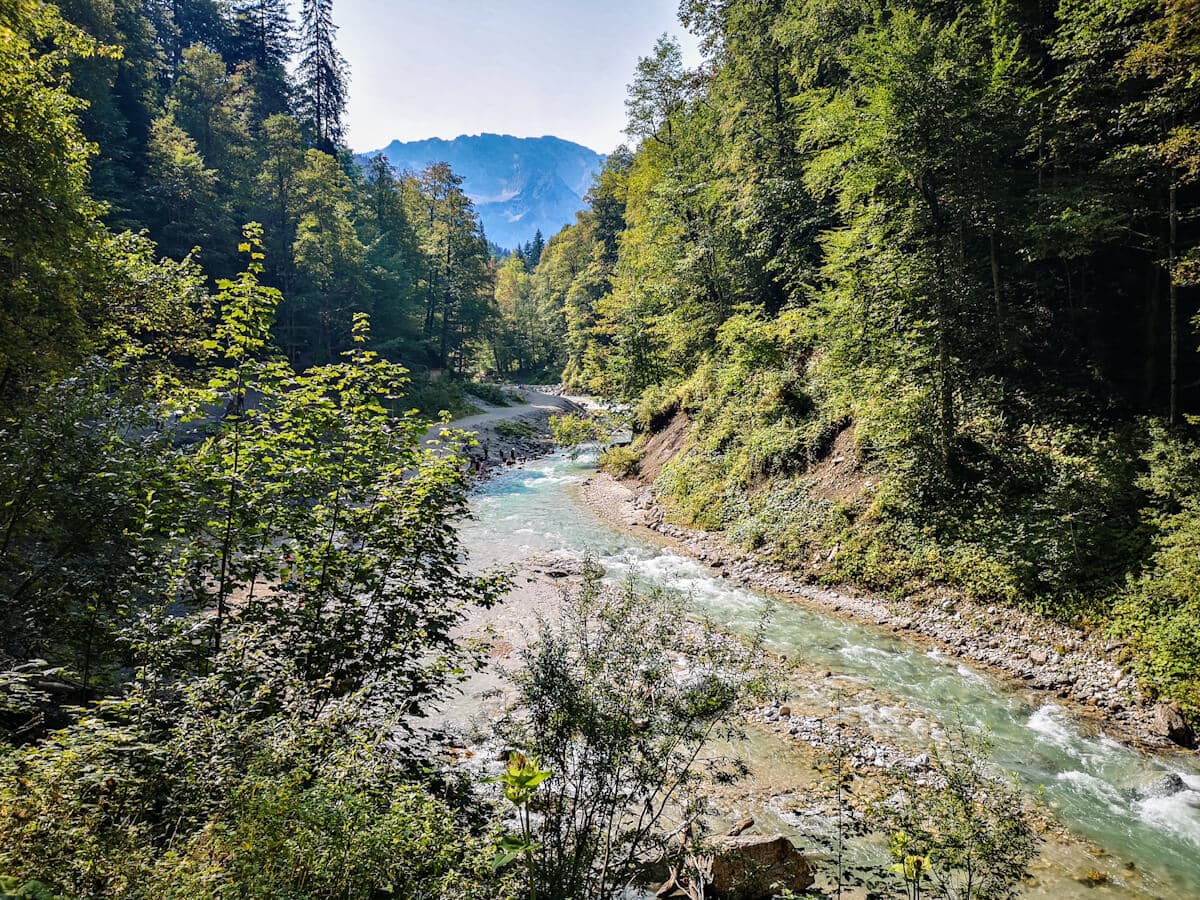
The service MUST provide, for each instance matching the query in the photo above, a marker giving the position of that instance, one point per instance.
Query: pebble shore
(1077, 668)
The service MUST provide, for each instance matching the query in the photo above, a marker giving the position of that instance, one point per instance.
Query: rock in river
(1167, 786)
(756, 867)
(562, 564)
(1169, 722)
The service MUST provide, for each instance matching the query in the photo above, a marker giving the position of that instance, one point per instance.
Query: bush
(617, 699)
(514, 428)
(305, 837)
(620, 461)
(655, 408)
(574, 429)
(1160, 612)
(490, 393)
(961, 832)
(101, 810)
(259, 741)
(433, 396)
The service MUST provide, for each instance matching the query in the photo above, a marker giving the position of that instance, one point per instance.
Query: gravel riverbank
(1068, 664)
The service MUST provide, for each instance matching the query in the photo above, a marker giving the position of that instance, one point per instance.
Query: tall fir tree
(266, 39)
(323, 75)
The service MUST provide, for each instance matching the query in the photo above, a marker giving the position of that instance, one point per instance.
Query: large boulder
(756, 867)
(1167, 786)
(564, 564)
(1168, 722)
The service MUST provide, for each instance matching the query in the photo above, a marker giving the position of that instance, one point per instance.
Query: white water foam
(1098, 788)
(1050, 721)
(1178, 814)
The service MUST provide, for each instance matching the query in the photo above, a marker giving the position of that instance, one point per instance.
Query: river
(1150, 847)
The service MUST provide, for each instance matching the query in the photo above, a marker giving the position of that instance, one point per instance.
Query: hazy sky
(441, 68)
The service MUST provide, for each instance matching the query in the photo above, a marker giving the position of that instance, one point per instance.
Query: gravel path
(495, 444)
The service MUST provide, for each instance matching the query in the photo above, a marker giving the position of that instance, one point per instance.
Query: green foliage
(459, 277)
(33, 890)
(523, 339)
(1160, 614)
(47, 219)
(248, 720)
(229, 573)
(968, 834)
(917, 280)
(618, 697)
(573, 429)
(350, 835)
(194, 122)
(319, 818)
(435, 395)
(620, 461)
(520, 779)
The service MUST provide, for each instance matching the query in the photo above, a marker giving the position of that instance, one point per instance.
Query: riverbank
(507, 435)
(1066, 664)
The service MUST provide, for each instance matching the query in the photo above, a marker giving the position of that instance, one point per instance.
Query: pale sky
(441, 68)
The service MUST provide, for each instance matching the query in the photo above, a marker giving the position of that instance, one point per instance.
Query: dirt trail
(536, 410)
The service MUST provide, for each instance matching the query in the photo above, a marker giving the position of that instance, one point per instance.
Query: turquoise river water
(1088, 778)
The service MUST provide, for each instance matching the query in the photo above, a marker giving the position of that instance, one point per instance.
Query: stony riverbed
(546, 515)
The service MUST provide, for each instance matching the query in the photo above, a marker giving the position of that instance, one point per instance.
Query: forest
(911, 287)
(957, 241)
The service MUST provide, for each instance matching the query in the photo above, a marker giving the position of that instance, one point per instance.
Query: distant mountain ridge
(518, 185)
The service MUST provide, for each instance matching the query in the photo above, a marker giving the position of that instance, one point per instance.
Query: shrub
(620, 461)
(617, 699)
(105, 809)
(433, 396)
(655, 408)
(317, 837)
(1160, 611)
(514, 428)
(961, 832)
(573, 429)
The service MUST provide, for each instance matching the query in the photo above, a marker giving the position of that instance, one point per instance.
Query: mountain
(518, 185)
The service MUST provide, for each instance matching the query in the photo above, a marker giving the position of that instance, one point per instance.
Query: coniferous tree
(266, 40)
(536, 246)
(393, 255)
(323, 75)
(459, 267)
(179, 24)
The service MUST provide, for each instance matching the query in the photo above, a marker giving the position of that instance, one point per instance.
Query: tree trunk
(998, 297)
(1173, 305)
(446, 304)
